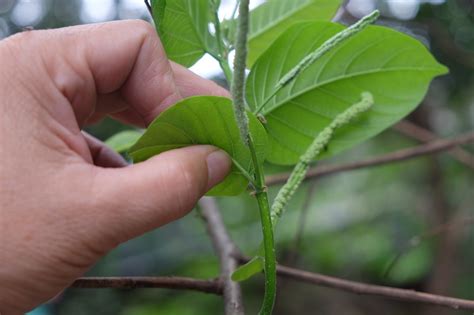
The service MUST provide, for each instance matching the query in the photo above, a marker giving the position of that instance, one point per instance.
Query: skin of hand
(66, 199)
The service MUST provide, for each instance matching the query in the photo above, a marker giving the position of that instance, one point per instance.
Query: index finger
(112, 67)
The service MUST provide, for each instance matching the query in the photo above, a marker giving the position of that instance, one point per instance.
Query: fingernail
(218, 166)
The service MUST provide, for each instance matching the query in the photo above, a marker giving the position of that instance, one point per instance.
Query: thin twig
(418, 239)
(227, 251)
(175, 283)
(421, 134)
(374, 290)
(433, 147)
(148, 5)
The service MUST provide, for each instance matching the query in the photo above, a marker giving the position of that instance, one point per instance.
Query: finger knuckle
(144, 28)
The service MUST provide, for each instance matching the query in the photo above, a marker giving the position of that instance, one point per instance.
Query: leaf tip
(443, 69)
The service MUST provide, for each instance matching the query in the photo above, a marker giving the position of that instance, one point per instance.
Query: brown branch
(215, 286)
(175, 283)
(374, 290)
(227, 251)
(421, 134)
(433, 147)
(455, 224)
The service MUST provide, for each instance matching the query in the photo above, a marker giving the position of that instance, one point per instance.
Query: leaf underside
(123, 141)
(183, 26)
(251, 268)
(394, 67)
(204, 120)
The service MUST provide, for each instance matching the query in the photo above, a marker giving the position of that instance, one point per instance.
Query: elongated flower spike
(322, 50)
(314, 150)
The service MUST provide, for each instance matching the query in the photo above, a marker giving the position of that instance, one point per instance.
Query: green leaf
(158, 8)
(251, 268)
(269, 20)
(204, 120)
(123, 141)
(183, 26)
(394, 67)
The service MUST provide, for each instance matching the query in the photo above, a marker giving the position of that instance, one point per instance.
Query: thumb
(139, 198)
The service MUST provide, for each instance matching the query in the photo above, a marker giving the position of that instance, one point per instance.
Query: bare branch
(417, 240)
(421, 134)
(375, 290)
(215, 286)
(433, 147)
(175, 283)
(227, 251)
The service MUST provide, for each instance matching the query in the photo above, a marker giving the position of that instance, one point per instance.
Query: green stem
(267, 230)
(226, 69)
(240, 65)
(223, 49)
(238, 92)
(236, 8)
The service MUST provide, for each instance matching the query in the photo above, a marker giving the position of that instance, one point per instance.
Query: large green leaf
(272, 18)
(183, 26)
(204, 120)
(394, 67)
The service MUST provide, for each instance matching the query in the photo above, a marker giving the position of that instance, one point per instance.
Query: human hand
(65, 199)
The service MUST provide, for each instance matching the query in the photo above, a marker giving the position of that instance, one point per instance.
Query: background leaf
(271, 19)
(394, 67)
(123, 141)
(251, 268)
(183, 26)
(203, 120)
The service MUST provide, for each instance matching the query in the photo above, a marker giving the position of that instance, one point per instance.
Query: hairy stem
(240, 62)
(238, 92)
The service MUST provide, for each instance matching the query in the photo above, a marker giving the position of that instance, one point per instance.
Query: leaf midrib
(193, 27)
(341, 78)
